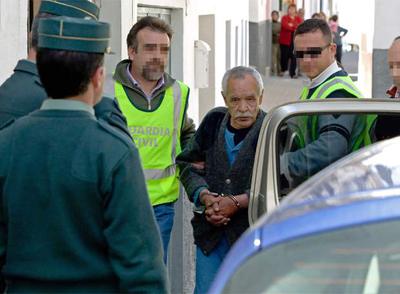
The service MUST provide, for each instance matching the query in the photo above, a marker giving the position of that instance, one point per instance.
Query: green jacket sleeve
(108, 110)
(131, 232)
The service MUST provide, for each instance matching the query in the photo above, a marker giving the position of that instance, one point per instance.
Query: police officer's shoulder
(123, 139)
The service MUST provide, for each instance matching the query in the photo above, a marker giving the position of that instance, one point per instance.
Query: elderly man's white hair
(239, 72)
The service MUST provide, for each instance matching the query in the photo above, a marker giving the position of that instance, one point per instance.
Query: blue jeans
(165, 219)
(207, 266)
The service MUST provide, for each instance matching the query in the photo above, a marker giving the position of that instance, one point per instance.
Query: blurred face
(314, 53)
(394, 62)
(151, 56)
(243, 101)
(292, 11)
(275, 16)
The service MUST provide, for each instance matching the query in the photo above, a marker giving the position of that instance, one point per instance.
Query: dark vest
(228, 179)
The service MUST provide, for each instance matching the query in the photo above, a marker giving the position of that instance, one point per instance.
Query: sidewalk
(280, 90)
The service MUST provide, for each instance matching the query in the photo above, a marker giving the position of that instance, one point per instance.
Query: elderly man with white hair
(226, 142)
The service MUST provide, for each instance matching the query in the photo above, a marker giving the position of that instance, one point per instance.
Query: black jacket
(208, 145)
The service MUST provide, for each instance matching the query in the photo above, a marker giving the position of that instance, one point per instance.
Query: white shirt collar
(330, 70)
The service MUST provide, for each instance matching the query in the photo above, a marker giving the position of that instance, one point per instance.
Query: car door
(280, 134)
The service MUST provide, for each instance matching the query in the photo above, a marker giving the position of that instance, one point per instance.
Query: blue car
(338, 232)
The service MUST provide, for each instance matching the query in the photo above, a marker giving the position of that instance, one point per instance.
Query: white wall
(258, 11)
(310, 7)
(387, 23)
(13, 35)
(361, 32)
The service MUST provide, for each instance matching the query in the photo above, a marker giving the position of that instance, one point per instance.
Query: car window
(297, 140)
(376, 168)
(309, 143)
(361, 259)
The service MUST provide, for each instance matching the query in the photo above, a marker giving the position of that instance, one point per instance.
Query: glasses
(312, 52)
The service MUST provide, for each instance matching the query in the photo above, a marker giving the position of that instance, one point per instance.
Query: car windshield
(361, 259)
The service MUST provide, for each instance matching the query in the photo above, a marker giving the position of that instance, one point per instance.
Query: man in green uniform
(155, 107)
(23, 92)
(74, 210)
(325, 138)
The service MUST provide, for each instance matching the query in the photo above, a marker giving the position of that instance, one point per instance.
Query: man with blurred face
(314, 51)
(150, 56)
(226, 142)
(394, 66)
(155, 106)
(388, 126)
(328, 137)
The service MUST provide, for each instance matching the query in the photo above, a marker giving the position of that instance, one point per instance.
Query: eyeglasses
(312, 52)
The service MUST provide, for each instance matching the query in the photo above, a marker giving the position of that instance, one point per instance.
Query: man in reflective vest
(388, 126)
(155, 107)
(324, 138)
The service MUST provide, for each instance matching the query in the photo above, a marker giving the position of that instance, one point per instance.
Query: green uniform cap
(74, 34)
(72, 8)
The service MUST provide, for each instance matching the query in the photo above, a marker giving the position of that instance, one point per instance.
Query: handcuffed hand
(212, 212)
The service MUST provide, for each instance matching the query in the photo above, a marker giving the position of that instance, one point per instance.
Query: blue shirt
(231, 151)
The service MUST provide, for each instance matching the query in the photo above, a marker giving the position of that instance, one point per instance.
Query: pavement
(280, 90)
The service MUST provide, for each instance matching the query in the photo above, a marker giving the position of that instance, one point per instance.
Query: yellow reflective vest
(157, 134)
(322, 92)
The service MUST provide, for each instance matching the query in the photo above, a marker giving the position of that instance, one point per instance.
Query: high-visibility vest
(156, 134)
(324, 90)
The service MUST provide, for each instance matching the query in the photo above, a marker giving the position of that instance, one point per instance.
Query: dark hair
(66, 73)
(334, 18)
(313, 25)
(34, 37)
(153, 23)
(397, 38)
(315, 15)
(275, 12)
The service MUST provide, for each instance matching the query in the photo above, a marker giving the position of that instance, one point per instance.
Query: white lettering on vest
(149, 131)
(148, 136)
(145, 142)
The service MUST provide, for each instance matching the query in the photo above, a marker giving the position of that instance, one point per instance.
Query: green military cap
(74, 34)
(72, 8)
